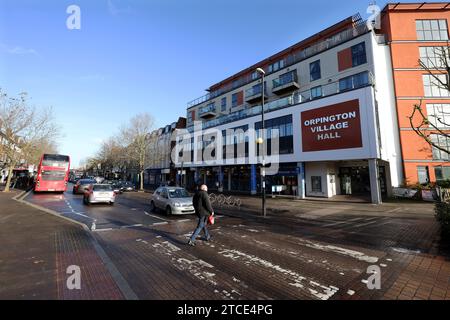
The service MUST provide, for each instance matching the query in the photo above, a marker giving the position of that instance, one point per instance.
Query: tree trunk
(8, 180)
(141, 178)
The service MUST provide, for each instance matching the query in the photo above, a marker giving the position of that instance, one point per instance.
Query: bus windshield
(55, 160)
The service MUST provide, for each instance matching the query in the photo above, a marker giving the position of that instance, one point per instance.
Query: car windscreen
(102, 188)
(178, 193)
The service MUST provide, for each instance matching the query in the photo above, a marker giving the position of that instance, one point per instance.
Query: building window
(442, 173)
(255, 75)
(314, 70)
(442, 142)
(285, 134)
(234, 100)
(316, 92)
(439, 115)
(433, 85)
(191, 116)
(223, 104)
(430, 30)
(353, 82)
(432, 57)
(316, 184)
(276, 66)
(423, 175)
(359, 56)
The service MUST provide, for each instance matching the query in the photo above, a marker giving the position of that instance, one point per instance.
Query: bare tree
(431, 127)
(26, 131)
(135, 138)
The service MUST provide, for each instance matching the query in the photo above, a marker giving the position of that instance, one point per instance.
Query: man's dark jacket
(202, 205)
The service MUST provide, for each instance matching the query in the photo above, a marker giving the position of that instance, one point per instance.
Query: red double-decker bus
(53, 173)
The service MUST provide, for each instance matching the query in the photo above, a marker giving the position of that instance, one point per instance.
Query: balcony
(255, 94)
(285, 83)
(359, 29)
(208, 112)
(298, 97)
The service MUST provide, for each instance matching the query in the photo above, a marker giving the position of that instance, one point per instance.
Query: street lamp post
(263, 143)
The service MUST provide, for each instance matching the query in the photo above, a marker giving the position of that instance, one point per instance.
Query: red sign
(333, 127)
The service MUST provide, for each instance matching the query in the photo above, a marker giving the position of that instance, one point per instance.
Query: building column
(253, 179)
(301, 184)
(197, 176)
(375, 188)
(220, 179)
(388, 180)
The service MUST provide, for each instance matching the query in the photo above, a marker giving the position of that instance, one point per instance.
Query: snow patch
(296, 280)
(342, 251)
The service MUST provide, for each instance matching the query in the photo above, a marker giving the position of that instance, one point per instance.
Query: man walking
(203, 210)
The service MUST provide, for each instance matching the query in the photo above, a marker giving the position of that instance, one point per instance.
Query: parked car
(172, 200)
(117, 187)
(82, 185)
(99, 193)
(127, 186)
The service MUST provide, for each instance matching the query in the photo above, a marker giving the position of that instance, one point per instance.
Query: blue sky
(142, 56)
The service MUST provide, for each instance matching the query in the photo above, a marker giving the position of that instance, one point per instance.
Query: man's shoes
(208, 239)
(191, 243)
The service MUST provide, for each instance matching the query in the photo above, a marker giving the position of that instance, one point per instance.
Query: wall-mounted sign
(333, 127)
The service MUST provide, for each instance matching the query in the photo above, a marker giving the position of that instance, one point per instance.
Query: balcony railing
(297, 97)
(294, 58)
(255, 93)
(208, 111)
(209, 108)
(285, 79)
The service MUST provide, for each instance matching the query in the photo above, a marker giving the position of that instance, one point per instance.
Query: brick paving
(36, 250)
(301, 250)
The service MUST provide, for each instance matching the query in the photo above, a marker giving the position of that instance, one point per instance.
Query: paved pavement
(301, 250)
(37, 248)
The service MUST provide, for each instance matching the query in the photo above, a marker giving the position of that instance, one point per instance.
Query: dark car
(127, 186)
(82, 185)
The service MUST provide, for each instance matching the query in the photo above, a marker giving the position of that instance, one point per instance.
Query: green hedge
(442, 210)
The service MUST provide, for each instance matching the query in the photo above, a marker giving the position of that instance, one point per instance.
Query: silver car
(172, 200)
(100, 193)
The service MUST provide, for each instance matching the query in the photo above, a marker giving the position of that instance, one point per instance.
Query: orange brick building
(414, 31)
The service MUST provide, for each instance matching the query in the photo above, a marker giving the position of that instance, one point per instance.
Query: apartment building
(160, 168)
(331, 97)
(418, 31)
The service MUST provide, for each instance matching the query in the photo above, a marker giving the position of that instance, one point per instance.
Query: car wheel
(168, 211)
(111, 203)
(152, 207)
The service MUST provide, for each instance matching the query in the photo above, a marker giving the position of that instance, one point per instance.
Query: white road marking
(350, 292)
(184, 220)
(131, 226)
(316, 289)
(151, 215)
(159, 223)
(102, 230)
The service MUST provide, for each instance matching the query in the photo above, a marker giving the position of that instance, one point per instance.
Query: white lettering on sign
(328, 119)
(322, 128)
